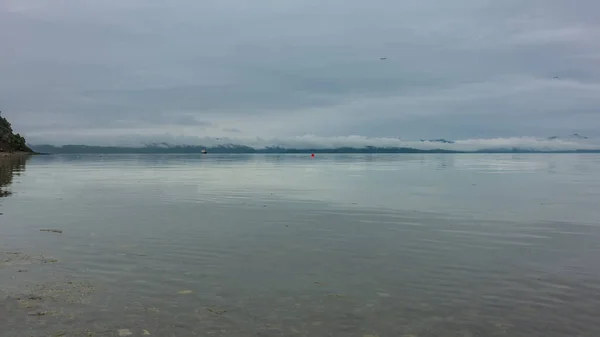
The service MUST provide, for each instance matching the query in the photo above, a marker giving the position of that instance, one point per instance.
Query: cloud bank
(324, 142)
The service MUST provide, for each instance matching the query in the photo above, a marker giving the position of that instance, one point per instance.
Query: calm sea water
(286, 245)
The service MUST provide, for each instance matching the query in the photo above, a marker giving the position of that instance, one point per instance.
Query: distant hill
(226, 148)
(574, 143)
(10, 142)
(517, 150)
(232, 148)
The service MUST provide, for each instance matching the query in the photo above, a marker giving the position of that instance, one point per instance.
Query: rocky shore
(15, 154)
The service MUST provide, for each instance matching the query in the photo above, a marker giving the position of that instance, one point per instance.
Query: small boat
(203, 151)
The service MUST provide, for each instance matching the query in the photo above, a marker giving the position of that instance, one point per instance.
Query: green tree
(5, 127)
(11, 142)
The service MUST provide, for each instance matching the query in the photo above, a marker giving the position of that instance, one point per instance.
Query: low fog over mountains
(347, 144)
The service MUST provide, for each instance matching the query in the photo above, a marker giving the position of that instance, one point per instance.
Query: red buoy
(312, 155)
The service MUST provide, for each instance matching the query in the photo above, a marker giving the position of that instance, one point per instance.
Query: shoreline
(15, 154)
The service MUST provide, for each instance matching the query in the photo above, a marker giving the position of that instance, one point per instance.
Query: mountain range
(574, 143)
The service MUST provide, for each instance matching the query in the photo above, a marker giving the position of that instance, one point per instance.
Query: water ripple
(443, 245)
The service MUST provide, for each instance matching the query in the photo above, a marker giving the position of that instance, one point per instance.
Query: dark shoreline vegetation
(9, 141)
(241, 149)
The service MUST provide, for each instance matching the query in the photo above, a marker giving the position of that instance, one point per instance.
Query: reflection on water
(9, 167)
(339, 245)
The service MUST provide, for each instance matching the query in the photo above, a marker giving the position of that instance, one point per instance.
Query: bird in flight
(383, 58)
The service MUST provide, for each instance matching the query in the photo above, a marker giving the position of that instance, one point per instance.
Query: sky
(125, 72)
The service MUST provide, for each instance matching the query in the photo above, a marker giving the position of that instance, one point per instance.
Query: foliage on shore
(9, 141)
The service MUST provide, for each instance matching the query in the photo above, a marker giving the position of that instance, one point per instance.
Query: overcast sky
(106, 71)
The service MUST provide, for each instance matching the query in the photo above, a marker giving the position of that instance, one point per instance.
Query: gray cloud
(463, 69)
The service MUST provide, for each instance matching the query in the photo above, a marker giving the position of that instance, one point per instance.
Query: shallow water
(286, 245)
